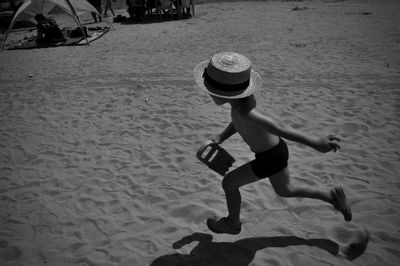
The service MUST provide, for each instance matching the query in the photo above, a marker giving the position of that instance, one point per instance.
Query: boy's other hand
(327, 144)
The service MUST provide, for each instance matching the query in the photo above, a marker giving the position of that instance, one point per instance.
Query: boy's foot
(340, 202)
(221, 226)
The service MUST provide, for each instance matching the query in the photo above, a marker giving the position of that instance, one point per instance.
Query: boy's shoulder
(258, 116)
(251, 115)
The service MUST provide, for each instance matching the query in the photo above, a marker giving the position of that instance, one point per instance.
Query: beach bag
(119, 18)
(77, 32)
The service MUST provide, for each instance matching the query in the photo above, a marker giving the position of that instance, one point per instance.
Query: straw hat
(227, 75)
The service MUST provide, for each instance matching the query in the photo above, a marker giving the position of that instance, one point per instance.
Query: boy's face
(218, 100)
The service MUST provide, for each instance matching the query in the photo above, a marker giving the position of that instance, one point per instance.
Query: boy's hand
(216, 139)
(326, 144)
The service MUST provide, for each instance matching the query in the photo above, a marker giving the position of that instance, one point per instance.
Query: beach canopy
(30, 8)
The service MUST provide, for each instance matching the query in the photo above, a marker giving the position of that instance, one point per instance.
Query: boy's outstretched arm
(321, 144)
(229, 131)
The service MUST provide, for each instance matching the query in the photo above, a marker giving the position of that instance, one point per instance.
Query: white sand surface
(98, 142)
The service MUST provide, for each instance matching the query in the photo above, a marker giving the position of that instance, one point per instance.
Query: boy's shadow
(243, 251)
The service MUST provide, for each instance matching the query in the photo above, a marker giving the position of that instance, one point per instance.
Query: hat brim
(254, 84)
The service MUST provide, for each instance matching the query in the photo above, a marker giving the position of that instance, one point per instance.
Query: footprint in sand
(356, 245)
(9, 253)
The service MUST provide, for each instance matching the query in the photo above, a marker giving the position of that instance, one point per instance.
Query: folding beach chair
(163, 5)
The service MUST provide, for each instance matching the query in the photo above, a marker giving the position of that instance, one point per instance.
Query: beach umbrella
(30, 8)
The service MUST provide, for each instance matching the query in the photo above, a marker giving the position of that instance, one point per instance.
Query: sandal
(340, 202)
(221, 226)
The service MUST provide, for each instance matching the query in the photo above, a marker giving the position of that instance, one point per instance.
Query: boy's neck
(247, 103)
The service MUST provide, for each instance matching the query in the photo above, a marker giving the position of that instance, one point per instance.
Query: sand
(98, 143)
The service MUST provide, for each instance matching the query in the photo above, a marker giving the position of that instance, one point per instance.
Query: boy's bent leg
(231, 183)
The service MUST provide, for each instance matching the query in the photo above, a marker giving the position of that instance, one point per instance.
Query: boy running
(228, 78)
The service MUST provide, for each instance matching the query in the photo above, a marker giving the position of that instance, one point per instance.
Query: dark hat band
(222, 86)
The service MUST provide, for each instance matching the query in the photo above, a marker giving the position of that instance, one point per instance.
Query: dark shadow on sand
(154, 18)
(238, 253)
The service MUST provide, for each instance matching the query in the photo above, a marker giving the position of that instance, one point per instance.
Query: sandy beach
(98, 142)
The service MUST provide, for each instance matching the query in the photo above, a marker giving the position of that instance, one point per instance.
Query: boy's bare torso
(258, 138)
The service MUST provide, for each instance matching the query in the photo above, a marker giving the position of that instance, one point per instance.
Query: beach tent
(30, 8)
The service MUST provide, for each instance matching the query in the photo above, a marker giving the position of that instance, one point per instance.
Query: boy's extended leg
(282, 186)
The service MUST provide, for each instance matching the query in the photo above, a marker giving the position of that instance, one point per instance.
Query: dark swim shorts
(272, 161)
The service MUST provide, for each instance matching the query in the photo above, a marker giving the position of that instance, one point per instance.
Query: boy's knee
(285, 191)
(227, 184)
